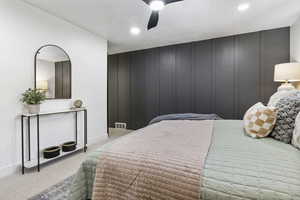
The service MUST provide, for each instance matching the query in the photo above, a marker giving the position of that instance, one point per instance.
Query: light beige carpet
(22, 187)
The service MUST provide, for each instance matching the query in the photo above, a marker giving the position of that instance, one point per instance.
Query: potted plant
(33, 98)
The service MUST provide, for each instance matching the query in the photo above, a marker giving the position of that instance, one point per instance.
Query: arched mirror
(53, 72)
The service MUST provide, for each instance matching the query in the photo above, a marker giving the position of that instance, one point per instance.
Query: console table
(36, 163)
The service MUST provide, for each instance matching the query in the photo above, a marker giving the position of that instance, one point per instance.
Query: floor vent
(120, 125)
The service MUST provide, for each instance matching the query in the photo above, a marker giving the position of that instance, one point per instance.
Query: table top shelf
(54, 112)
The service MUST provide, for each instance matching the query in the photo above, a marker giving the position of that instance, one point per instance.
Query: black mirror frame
(35, 57)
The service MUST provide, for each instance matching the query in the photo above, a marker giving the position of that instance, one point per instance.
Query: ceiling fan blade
(166, 1)
(170, 1)
(147, 1)
(153, 20)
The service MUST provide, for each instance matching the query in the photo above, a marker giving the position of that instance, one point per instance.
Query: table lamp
(287, 73)
(42, 85)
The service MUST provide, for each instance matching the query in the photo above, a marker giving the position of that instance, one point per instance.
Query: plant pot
(69, 146)
(33, 108)
(51, 152)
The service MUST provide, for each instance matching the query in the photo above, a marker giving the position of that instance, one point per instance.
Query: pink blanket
(161, 161)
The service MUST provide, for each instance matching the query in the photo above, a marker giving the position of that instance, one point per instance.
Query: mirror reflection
(53, 72)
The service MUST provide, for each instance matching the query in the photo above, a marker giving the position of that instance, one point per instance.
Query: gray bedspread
(237, 167)
(185, 116)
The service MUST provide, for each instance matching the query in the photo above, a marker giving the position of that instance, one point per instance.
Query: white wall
(295, 41)
(295, 44)
(23, 29)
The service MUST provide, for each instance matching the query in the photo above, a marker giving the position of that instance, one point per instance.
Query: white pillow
(296, 134)
(279, 95)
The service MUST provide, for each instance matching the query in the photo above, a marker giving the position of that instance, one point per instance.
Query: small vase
(33, 108)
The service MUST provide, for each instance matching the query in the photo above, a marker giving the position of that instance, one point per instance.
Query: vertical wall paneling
(124, 89)
(167, 99)
(202, 76)
(66, 79)
(152, 83)
(275, 49)
(138, 88)
(223, 76)
(58, 80)
(63, 80)
(247, 67)
(183, 78)
(213, 80)
(113, 89)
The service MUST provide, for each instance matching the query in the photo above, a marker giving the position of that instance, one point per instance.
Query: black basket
(69, 146)
(51, 152)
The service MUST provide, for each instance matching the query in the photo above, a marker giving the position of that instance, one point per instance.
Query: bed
(234, 167)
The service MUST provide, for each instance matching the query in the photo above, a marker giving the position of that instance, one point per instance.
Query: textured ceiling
(186, 21)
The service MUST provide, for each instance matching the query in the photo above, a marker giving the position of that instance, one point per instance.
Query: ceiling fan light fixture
(135, 31)
(157, 5)
(243, 7)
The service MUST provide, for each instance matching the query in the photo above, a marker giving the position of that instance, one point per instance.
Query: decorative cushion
(274, 99)
(296, 134)
(288, 109)
(259, 120)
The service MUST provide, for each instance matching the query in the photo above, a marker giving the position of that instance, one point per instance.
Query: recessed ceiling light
(243, 7)
(135, 31)
(157, 5)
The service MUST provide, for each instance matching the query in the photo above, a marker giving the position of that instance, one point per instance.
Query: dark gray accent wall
(63, 80)
(223, 76)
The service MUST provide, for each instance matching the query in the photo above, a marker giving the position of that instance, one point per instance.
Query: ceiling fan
(156, 6)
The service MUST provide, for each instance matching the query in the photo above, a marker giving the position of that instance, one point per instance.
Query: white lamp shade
(42, 85)
(287, 72)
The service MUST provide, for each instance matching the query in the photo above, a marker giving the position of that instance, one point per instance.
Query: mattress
(237, 167)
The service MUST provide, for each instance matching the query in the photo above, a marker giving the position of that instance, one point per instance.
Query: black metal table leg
(28, 132)
(76, 127)
(38, 141)
(85, 130)
(22, 137)
(24, 116)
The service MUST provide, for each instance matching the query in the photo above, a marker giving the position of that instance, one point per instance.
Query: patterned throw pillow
(279, 95)
(296, 134)
(259, 120)
(288, 109)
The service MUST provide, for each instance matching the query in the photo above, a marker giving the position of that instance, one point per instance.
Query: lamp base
(286, 87)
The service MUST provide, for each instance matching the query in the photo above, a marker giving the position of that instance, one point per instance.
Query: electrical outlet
(120, 125)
